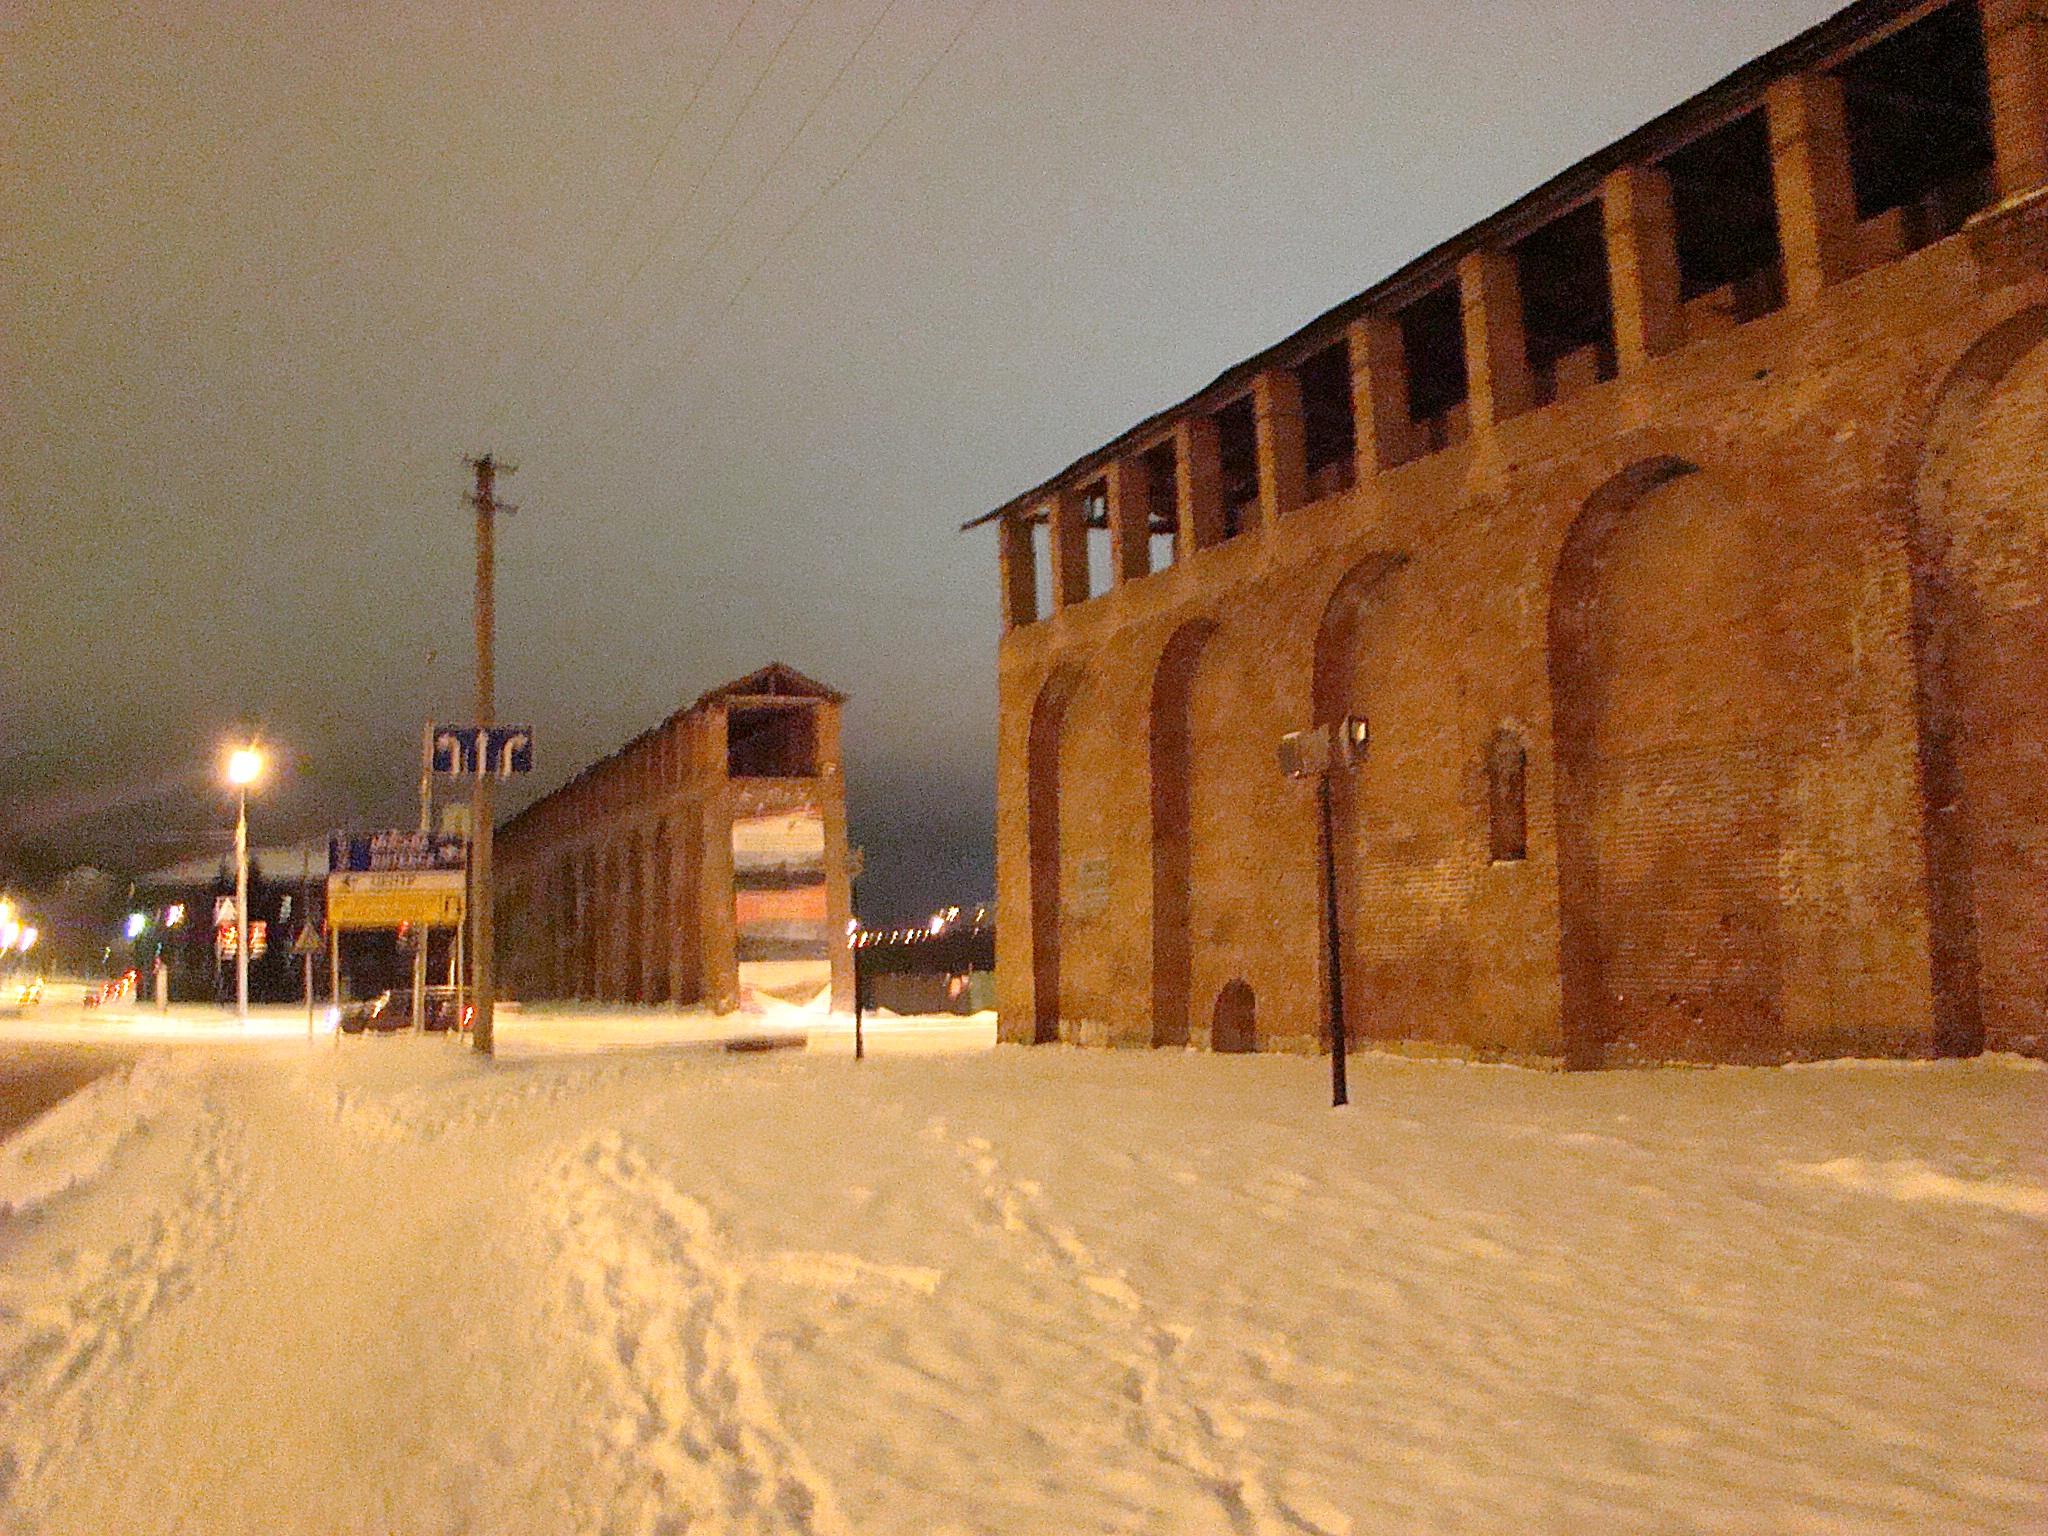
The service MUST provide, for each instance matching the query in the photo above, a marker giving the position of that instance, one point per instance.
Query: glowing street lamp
(245, 766)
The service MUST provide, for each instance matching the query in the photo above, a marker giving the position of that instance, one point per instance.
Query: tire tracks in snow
(1165, 1416)
(659, 1294)
(64, 1331)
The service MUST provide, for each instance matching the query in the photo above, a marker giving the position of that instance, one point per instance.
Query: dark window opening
(1433, 345)
(771, 742)
(1162, 496)
(1919, 118)
(1329, 434)
(1237, 449)
(1730, 266)
(1507, 803)
(1095, 516)
(1567, 313)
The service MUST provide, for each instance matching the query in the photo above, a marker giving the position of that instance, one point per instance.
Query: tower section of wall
(703, 860)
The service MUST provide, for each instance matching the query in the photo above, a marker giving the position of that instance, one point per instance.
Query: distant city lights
(940, 924)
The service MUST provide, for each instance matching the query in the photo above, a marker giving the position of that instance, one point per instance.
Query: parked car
(390, 1011)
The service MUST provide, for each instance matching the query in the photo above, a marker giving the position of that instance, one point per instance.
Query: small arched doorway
(1234, 1028)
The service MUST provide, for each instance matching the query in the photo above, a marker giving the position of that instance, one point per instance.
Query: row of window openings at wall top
(1920, 159)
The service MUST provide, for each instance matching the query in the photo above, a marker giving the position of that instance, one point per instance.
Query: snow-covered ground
(387, 1287)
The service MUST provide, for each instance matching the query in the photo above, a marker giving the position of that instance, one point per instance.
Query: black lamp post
(1317, 754)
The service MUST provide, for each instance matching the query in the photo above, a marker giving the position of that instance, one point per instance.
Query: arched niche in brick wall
(1042, 839)
(1171, 730)
(1674, 715)
(611, 967)
(1980, 640)
(1406, 960)
(590, 904)
(561, 958)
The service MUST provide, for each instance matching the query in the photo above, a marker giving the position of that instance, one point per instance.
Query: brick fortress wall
(1680, 533)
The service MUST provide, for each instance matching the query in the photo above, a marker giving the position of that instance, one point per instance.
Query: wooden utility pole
(482, 928)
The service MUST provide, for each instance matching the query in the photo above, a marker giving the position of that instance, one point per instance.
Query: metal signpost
(307, 944)
(856, 861)
(1316, 754)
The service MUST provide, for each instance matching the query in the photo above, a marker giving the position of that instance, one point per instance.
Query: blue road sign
(455, 749)
(507, 749)
(394, 852)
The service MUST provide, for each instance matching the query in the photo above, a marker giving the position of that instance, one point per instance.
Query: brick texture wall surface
(1766, 612)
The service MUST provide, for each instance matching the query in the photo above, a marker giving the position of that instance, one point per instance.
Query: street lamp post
(1317, 754)
(244, 764)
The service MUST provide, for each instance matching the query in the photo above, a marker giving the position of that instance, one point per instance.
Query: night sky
(764, 298)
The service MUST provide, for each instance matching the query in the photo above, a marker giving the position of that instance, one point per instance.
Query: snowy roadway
(386, 1287)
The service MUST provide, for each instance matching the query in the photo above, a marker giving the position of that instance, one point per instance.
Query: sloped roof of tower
(774, 681)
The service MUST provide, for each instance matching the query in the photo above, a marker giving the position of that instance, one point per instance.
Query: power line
(730, 129)
(833, 185)
(639, 195)
(788, 144)
(696, 186)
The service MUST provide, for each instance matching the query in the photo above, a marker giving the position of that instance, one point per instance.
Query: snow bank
(71, 1142)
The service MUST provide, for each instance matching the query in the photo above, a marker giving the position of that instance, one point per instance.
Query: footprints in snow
(664, 1301)
(1165, 1414)
(661, 1297)
(55, 1353)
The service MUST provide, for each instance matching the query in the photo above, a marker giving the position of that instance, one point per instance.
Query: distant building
(704, 859)
(1680, 531)
(184, 923)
